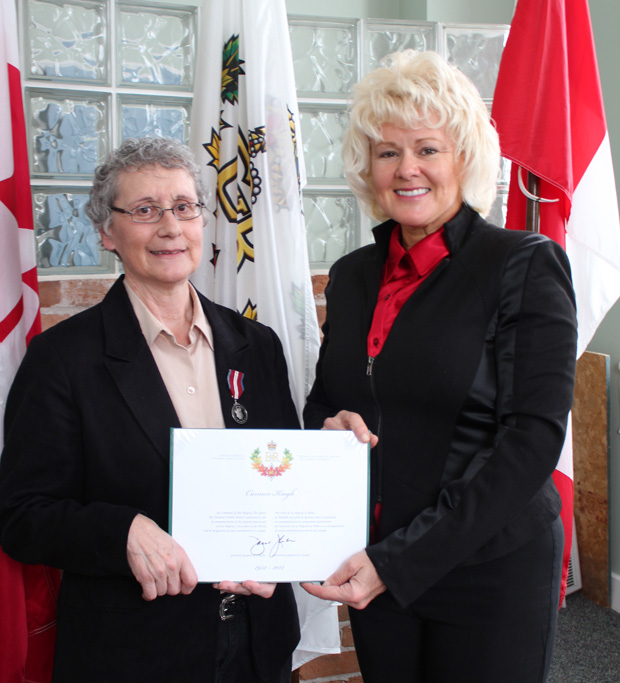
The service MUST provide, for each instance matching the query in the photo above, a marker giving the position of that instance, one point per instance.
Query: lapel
(132, 367)
(373, 270)
(232, 352)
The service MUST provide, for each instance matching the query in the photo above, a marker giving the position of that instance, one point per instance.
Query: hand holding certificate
(268, 505)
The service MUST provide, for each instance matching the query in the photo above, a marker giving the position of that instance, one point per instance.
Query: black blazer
(87, 434)
(469, 396)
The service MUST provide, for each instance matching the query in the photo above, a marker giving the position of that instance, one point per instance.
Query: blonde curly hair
(414, 90)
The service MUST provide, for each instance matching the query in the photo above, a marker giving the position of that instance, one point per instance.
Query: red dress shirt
(403, 272)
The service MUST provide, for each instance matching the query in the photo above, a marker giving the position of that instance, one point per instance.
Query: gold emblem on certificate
(273, 464)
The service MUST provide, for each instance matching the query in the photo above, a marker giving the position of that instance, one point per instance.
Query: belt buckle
(225, 604)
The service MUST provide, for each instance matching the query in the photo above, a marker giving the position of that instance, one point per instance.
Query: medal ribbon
(235, 383)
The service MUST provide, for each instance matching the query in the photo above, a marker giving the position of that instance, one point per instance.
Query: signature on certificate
(272, 547)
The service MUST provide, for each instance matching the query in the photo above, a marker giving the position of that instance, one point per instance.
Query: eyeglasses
(184, 211)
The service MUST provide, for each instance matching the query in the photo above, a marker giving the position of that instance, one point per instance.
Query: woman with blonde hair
(449, 346)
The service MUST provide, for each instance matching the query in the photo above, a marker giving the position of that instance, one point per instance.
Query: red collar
(423, 255)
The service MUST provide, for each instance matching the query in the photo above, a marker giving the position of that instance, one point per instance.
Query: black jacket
(87, 434)
(469, 396)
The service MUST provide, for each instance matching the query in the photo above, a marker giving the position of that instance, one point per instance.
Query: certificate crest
(274, 465)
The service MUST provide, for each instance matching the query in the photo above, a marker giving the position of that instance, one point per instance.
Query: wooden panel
(591, 449)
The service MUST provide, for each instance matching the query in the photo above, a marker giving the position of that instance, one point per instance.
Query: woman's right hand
(157, 561)
(353, 422)
(355, 583)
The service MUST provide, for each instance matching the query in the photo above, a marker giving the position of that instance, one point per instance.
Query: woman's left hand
(264, 590)
(356, 583)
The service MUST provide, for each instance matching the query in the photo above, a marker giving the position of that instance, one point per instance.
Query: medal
(236, 388)
(239, 413)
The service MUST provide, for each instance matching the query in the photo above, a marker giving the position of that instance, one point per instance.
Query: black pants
(234, 656)
(488, 623)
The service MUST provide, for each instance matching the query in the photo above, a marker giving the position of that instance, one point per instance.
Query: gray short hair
(132, 155)
(420, 89)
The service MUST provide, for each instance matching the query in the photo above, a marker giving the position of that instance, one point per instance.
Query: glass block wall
(329, 57)
(100, 71)
(97, 72)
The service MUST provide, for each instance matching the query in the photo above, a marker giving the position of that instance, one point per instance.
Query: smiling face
(415, 177)
(155, 255)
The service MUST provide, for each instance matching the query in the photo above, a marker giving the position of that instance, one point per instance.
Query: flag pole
(532, 215)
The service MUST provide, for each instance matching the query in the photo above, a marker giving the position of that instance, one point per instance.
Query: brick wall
(61, 299)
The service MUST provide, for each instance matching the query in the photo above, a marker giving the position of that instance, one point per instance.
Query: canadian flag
(27, 592)
(548, 109)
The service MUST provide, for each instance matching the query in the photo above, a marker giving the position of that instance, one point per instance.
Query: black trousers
(234, 655)
(488, 623)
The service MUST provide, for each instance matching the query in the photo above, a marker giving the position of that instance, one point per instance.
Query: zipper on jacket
(369, 373)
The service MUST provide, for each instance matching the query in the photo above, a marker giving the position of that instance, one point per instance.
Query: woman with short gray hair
(85, 471)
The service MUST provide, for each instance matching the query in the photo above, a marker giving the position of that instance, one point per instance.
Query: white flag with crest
(246, 135)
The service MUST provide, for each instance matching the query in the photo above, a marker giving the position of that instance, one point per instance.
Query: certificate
(268, 505)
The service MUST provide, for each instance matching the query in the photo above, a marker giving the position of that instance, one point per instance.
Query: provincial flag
(246, 135)
(548, 108)
(27, 592)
